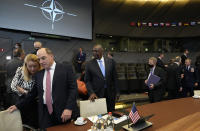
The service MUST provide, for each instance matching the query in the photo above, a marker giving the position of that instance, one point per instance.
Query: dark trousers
(29, 113)
(155, 95)
(47, 119)
(110, 101)
(172, 94)
(50, 120)
(186, 90)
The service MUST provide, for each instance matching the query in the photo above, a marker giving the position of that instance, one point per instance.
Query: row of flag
(164, 24)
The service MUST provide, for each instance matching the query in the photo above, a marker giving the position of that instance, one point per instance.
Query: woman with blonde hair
(22, 83)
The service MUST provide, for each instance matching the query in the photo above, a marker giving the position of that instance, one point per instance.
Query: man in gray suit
(101, 78)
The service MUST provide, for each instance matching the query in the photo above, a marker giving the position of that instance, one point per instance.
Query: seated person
(22, 83)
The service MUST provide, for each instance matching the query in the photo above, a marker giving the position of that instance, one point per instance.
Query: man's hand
(66, 115)
(21, 90)
(151, 86)
(93, 96)
(12, 108)
(180, 89)
(146, 81)
(196, 84)
(182, 76)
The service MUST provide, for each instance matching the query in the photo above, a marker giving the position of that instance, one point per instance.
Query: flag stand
(128, 121)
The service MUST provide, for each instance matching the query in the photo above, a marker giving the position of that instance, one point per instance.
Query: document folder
(153, 79)
(91, 108)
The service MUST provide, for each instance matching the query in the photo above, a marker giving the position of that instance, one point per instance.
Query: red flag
(132, 24)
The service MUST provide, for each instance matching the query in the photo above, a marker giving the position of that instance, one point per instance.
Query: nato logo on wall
(58, 17)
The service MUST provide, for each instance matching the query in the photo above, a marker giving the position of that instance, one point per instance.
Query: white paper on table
(93, 119)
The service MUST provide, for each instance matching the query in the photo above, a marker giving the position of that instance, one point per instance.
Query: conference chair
(10, 121)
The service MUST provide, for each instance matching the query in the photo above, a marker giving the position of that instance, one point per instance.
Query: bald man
(101, 78)
(37, 46)
(56, 89)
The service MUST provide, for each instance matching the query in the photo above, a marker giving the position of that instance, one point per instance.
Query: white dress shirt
(52, 69)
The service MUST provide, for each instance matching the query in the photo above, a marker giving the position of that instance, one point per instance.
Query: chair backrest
(10, 121)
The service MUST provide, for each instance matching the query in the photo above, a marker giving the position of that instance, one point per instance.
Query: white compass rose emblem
(52, 10)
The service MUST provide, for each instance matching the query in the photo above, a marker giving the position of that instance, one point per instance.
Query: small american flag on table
(133, 115)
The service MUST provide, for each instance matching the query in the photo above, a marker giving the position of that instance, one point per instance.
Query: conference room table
(165, 112)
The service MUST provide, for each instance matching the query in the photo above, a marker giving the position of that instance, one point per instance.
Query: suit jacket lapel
(56, 73)
(106, 66)
(40, 81)
(155, 71)
(41, 77)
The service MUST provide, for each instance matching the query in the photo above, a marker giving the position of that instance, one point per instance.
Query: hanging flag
(150, 24)
(173, 24)
(186, 24)
(167, 24)
(180, 23)
(198, 22)
(144, 24)
(192, 23)
(138, 24)
(155, 24)
(133, 115)
(162, 24)
(132, 24)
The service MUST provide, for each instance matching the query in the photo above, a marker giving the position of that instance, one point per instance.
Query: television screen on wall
(71, 18)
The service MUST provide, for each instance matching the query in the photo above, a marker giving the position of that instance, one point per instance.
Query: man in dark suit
(37, 45)
(189, 78)
(80, 59)
(160, 62)
(155, 91)
(56, 89)
(101, 78)
(174, 78)
(11, 67)
(184, 56)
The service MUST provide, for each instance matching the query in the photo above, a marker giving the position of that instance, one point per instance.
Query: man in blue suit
(189, 78)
